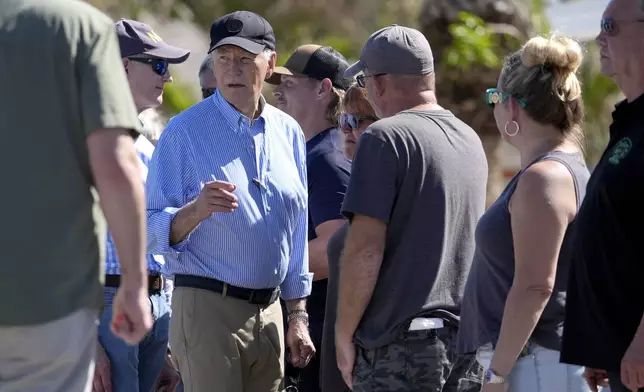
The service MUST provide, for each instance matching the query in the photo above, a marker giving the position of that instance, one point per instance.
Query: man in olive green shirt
(67, 116)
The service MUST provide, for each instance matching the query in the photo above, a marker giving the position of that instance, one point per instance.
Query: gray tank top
(492, 270)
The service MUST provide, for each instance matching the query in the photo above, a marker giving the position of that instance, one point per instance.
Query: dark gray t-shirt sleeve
(328, 185)
(374, 177)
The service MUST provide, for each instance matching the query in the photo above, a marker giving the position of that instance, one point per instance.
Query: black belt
(156, 283)
(253, 296)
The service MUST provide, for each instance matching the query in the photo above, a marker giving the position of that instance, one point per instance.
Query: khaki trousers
(223, 344)
(53, 357)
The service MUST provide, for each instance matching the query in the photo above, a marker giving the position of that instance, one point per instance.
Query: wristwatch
(298, 315)
(492, 378)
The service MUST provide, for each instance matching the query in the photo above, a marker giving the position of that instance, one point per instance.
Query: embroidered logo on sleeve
(620, 150)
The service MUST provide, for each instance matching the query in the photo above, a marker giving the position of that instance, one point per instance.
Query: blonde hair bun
(561, 53)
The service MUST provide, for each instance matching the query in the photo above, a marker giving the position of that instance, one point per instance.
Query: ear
(271, 65)
(379, 85)
(515, 109)
(325, 87)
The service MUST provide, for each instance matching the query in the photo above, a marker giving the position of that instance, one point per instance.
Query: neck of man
(422, 100)
(315, 126)
(632, 90)
(249, 109)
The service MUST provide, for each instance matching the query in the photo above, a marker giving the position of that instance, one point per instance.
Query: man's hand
(596, 378)
(169, 378)
(131, 315)
(632, 367)
(216, 196)
(299, 342)
(102, 375)
(495, 387)
(346, 357)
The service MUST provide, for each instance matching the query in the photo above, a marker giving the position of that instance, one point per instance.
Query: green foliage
(538, 17)
(177, 97)
(473, 43)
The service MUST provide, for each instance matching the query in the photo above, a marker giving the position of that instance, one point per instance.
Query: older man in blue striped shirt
(227, 206)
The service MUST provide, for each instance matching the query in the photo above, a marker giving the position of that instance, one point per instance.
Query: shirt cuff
(296, 286)
(160, 226)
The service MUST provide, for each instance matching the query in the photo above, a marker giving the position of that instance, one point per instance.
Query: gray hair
(206, 67)
(267, 54)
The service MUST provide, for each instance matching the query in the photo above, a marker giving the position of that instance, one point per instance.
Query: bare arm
(318, 261)
(541, 208)
(184, 222)
(117, 175)
(359, 268)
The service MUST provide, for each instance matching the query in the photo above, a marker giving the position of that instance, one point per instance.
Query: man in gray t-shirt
(417, 189)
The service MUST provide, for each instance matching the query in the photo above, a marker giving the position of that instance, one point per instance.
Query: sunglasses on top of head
(353, 121)
(494, 96)
(159, 66)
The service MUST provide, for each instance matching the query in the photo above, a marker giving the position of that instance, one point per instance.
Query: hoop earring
(505, 129)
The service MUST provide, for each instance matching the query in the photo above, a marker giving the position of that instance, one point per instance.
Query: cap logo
(154, 36)
(234, 25)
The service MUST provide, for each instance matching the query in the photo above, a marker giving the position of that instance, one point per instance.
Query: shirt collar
(315, 140)
(232, 116)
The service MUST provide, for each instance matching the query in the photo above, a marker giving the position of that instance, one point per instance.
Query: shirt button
(268, 208)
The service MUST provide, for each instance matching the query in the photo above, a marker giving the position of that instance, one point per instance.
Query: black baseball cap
(139, 38)
(244, 29)
(317, 62)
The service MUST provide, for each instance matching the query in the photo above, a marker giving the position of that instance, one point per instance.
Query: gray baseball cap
(397, 50)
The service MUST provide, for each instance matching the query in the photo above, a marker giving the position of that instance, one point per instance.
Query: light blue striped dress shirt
(263, 243)
(144, 149)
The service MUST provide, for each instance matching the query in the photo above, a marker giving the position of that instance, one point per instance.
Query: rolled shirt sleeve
(105, 96)
(297, 283)
(167, 189)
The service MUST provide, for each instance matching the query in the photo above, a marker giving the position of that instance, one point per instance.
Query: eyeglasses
(159, 66)
(353, 121)
(361, 78)
(206, 92)
(494, 96)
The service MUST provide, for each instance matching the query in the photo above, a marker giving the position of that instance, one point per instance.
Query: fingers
(219, 204)
(295, 354)
(174, 382)
(589, 376)
(102, 382)
(132, 326)
(625, 375)
(220, 185)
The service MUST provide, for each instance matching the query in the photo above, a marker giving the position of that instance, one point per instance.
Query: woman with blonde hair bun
(513, 307)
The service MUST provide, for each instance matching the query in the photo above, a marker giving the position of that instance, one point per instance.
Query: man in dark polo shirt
(603, 328)
(310, 89)
(416, 192)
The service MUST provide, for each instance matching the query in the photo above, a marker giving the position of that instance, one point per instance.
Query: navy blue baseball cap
(244, 29)
(139, 38)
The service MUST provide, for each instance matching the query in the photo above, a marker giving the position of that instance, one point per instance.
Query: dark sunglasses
(610, 27)
(160, 66)
(206, 92)
(494, 96)
(353, 121)
(361, 78)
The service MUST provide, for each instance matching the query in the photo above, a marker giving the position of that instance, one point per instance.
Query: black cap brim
(246, 44)
(173, 54)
